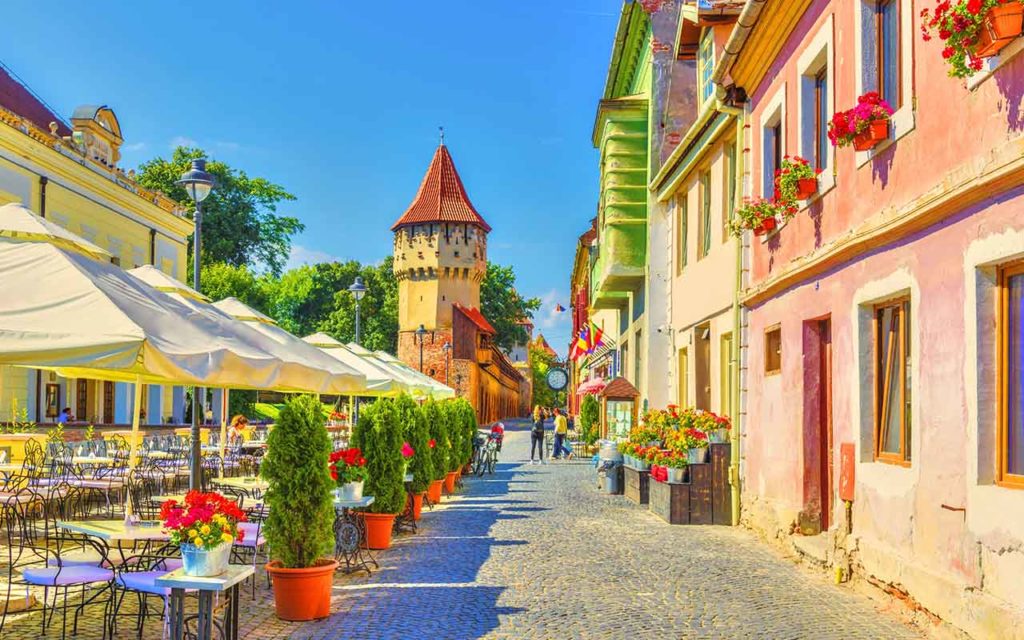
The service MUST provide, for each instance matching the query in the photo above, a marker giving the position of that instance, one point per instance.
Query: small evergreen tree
(432, 413)
(417, 434)
(453, 428)
(300, 526)
(467, 416)
(381, 439)
(590, 415)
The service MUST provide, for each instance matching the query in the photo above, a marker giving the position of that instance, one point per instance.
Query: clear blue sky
(342, 105)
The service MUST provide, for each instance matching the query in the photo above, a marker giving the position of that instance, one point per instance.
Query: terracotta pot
(1001, 26)
(378, 529)
(767, 226)
(466, 469)
(434, 491)
(417, 504)
(877, 131)
(806, 187)
(449, 482)
(302, 594)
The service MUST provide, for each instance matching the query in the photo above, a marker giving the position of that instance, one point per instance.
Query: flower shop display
(348, 470)
(300, 524)
(204, 526)
(795, 179)
(972, 30)
(761, 216)
(863, 126)
(379, 432)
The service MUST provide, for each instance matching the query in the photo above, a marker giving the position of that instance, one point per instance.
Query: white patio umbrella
(415, 384)
(439, 390)
(379, 380)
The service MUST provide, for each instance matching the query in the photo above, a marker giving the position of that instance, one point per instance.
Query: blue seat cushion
(144, 581)
(57, 576)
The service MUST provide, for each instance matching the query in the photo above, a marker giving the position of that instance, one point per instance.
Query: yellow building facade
(67, 172)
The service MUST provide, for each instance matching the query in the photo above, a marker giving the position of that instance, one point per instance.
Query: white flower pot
(697, 456)
(205, 563)
(350, 492)
(676, 476)
(719, 436)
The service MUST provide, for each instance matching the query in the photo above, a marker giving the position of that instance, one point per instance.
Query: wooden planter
(876, 132)
(806, 187)
(767, 226)
(637, 485)
(670, 502)
(1002, 25)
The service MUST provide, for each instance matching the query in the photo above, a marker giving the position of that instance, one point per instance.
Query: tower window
(456, 254)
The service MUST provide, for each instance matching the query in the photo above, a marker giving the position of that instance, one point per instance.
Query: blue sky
(341, 106)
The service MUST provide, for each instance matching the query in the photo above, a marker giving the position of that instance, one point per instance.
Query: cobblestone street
(537, 552)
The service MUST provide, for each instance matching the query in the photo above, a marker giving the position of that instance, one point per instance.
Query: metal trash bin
(610, 477)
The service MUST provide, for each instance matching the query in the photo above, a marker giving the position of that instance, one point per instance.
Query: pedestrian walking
(560, 451)
(537, 435)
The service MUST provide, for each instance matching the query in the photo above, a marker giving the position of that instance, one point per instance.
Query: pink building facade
(883, 319)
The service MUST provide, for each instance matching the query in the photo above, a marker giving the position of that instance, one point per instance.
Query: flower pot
(718, 436)
(677, 475)
(378, 529)
(806, 187)
(350, 492)
(449, 482)
(696, 456)
(643, 465)
(205, 563)
(766, 226)
(302, 594)
(877, 131)
(434, 491)
(417, 504)
(1001, 26)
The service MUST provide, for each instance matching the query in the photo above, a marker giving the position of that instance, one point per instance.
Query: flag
(559, 308)
(596, 337)
(582, 343)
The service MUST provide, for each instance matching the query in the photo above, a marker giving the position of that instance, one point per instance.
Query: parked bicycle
(487, 457)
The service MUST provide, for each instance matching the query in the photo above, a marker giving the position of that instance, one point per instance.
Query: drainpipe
(734, 434)
(740, 33)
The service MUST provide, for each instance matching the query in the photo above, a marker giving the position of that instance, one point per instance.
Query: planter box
(767, 226)
(806, 187)
(670, 502)
(721, 492)
(637, 485)
(1002, 25)
(876, 132)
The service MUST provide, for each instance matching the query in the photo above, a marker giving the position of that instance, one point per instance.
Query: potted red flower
(795, 180)
(696, 445)
(204, 527)
(348, 470)
(863, 126)
(972, 30)
(761, 216)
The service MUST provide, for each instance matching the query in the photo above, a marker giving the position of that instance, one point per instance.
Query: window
(704, 223)
(821, 117)
(706, 65)
(773, 350)
(892, 382)
(772, 157)
(887, 42)
(639, 364)
(1010, 449)
(683, 392)
(682, 213)
(730, 188)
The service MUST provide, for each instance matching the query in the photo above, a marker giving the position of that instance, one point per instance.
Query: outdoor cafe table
(227, 582)
(116, 532)
(177, 497)
(245, 483)
(349, 534)
(156, 455)
(82, 460)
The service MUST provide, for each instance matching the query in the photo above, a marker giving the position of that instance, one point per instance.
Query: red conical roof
(441, 197)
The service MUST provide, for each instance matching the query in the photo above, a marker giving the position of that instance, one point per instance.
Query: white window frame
(709, 35)
(902, 121)
(774, 113)
(820, 52)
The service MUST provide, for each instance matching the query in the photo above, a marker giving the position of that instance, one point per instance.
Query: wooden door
(702, 341)
(825, 421)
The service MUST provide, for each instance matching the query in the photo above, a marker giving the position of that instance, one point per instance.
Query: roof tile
(476, 317)
(441, 197)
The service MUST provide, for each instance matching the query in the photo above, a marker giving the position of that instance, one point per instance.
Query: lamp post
(447, 350)
(420, 332)
(358, 290)
(197, 184)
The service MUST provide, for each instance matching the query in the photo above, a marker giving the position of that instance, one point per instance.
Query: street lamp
(447, 349)
(420, 332)
(198, 184)
(358, 290)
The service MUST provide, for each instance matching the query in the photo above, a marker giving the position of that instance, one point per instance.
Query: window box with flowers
(972, 30)
(795, 180)
(863, 126)
(761, 216)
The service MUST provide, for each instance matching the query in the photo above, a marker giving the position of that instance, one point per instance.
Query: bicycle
(487, 461)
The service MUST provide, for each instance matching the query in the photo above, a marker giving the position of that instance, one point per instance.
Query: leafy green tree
(413, 417)
(300, 526)
(503, 307)
(221, 280)
(439, 434)
(590, 418)
(381, 442)
(241, 225)
(378, 309)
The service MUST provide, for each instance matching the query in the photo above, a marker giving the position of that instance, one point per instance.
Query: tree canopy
(503, 307)
(241, 226)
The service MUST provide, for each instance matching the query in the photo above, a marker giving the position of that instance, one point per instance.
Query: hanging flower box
(863, 126)
(972, 30)
(766, 226)
(795, 180)
(875, 132)
(761, 216)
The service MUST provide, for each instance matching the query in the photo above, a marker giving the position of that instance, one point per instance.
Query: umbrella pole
(196, 454)
(223, 426)
(133, 446)
(351, 415)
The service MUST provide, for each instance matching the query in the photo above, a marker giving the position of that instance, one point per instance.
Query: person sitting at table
(65, 416)
(238, 426)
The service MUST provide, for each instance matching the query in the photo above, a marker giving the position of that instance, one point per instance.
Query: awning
(379, 381)
(591, 387)
(415, 384)
(440, 390)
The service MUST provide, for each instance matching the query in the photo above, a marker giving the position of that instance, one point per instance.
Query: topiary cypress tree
(382, 447)
(454, 430)
(590, 414)
(300, 526)
(417, 434)
(438, 433)
(469, 428)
